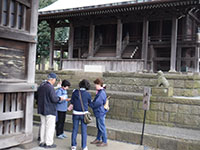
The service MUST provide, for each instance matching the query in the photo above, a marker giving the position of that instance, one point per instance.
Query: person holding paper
(61, 108)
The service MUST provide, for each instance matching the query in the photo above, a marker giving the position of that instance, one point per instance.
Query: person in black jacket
(47, 100)
(78, 113)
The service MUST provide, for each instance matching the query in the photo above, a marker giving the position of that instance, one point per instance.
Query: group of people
(53, 105)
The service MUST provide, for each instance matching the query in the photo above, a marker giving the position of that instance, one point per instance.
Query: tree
(43, 35)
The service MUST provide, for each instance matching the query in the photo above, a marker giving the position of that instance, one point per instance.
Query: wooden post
(61, 57)
(71, 41)
(173, 44)
(197, 59)
(1, 13)
(145, 42)
(179, 59)
(91, 39)
(9, 14)
(51, 53)
(152, 58)
(119, 38)
(31, 67)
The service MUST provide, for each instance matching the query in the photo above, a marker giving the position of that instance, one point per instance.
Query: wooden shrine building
(18, 30)
(127, 35)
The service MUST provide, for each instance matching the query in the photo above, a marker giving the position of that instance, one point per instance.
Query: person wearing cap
(61, 108)
(47, 100)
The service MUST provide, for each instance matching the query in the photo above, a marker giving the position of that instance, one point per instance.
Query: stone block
(161, 91)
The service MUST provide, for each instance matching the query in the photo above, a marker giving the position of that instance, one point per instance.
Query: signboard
(146, 98)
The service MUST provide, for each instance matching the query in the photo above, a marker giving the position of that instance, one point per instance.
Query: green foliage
(43, 46)
(43, 35)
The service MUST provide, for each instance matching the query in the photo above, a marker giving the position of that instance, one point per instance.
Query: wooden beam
(17, 87)
(71, 41)
(91, 39)
(145, 41)
(24, 2)
(11, 115)
(119, 38)
(179, 59)
(12, 140)
(17, 35)
(173, 44)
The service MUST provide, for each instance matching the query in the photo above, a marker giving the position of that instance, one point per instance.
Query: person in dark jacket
(100, 113)
(47, 100)
(78, 113)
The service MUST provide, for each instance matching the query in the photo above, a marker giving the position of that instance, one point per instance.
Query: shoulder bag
(87, 116)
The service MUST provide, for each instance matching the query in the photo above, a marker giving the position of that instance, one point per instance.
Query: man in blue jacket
(47, 100)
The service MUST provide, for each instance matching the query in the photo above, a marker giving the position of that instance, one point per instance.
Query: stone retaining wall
(126, 91)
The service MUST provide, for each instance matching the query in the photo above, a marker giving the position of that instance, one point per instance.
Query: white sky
(67, 4)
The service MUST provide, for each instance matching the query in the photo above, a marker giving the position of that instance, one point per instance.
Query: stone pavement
(65, 144)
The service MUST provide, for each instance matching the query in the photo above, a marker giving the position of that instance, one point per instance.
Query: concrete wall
(126, 91)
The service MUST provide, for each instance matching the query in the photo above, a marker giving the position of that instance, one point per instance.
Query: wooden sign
(146, 98)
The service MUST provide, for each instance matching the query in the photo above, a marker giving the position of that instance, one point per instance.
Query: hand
(70, 107)
(62, 98)
(68, 99)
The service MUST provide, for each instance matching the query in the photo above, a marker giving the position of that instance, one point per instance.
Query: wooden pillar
(71, 41)
(119, 38)
(145, 42)
(51, 53)
(173, 44)
(152, 58)
(61, 57)
(179, 59)
(9, 14)
(196, 63)
(91, 39)
(31, 67)
(1, 13)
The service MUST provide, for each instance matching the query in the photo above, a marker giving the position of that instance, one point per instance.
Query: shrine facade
(128, 36)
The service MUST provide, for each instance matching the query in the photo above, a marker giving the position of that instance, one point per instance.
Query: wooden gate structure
(18, 29)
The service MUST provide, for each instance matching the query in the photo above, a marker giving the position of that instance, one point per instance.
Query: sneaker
(51, 146)
(64, 135)
(73, 148)
(60, 137)
(42, 145)
(85, 148)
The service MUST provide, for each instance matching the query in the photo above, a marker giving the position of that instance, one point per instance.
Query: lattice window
(13, 13)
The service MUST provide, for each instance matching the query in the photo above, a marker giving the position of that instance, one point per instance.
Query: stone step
(156, 136)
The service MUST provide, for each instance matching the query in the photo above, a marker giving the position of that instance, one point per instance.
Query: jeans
(60, 123)
(101, 133)
(76, 119)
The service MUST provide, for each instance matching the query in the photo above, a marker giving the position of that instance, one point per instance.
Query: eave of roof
(114, 8)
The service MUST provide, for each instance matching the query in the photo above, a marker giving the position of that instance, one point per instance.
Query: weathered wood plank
(13, 109)
(1, 13)
(7, 110)
(1, 111)
(11, 115)
(24, 2)
(29, 112)
(17, 35)
(12, 140)
(19, 108)
(20, 87)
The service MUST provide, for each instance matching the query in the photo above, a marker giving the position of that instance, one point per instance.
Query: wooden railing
(116, 65)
